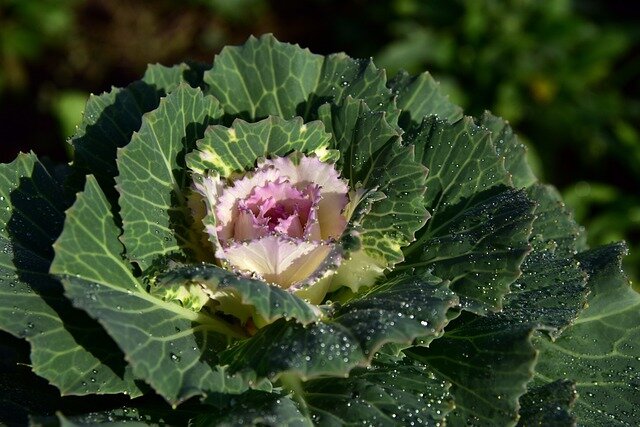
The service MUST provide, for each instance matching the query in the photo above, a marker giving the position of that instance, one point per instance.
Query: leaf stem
(292, 383)
(222, 327)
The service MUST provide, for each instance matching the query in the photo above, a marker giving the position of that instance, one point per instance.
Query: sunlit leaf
(170, 347)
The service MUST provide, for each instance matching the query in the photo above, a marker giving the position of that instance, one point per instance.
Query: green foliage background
(564, 73)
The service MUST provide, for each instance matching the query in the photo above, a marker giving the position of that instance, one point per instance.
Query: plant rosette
(284, 238)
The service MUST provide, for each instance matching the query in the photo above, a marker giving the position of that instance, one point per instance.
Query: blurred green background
(565, 73)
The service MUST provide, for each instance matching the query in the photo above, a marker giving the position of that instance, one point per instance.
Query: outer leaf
(462, 162)
(87, 247)
(508, 146)
(549, 295)
(391, 393)
(465, 169)
(555, 230)
(552, 289)
(268, 301)
(170, 347)
(396, 312)
(488, 361)
(399, 310)
(372, 157)
(68, 348)
(308, 351)
(419, 97)
(265, 77)
(479, 247)
(551, 292)
(152, 180)
(549, 405)
(236, 149)
(343, 77)
(255, 408)
(600, 351)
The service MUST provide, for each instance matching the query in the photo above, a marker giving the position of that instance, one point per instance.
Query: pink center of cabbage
(276, 207)
(280, 222)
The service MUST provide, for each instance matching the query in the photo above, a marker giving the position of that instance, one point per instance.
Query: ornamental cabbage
(285, 238)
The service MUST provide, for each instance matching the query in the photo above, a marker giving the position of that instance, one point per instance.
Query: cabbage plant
(284, 238)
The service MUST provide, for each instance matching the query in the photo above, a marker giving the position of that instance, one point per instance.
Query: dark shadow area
(24, 395)
(26, 129)
(194, 75)
(21, 392)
